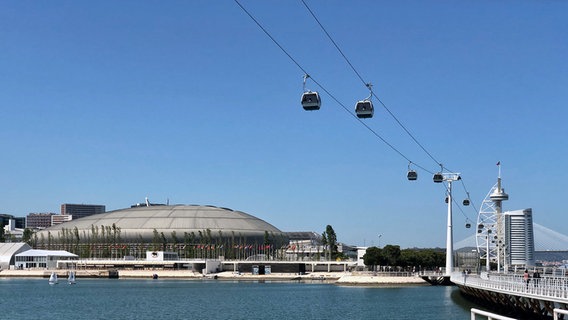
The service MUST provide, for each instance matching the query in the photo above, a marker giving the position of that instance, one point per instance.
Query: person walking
(526, 277)
(536, 277)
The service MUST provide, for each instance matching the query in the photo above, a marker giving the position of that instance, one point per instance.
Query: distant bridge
(545, 239)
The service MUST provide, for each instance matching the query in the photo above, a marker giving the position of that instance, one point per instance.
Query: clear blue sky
(106, 102)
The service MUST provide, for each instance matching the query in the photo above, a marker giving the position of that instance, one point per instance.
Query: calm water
(210, 299)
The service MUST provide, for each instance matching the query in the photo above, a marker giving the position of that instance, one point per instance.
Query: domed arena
(162, 227)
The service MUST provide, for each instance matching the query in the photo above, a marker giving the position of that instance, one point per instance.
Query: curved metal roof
(139, 223)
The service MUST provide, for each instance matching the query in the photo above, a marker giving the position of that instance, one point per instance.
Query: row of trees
(392, 255)
(107, 241)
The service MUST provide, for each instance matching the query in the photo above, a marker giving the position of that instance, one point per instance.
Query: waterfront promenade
(510, 292)
(340, 278)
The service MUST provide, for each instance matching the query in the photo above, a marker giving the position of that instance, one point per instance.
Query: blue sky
(109, 102)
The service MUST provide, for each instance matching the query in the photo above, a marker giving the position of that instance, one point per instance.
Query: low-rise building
(46, 259)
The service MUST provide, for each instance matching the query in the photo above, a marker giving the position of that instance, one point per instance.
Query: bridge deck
(549, 288)
(537, 298)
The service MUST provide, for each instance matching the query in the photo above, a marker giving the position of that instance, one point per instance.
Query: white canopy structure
(42, 258)
(8, 250)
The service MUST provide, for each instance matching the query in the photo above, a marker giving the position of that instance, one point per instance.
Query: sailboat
(71, 278)
(53, 278)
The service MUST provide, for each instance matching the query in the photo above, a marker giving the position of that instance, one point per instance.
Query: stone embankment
(371, 280)
(328, 277)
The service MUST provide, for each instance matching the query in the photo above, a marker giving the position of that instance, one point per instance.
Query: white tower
(490, 237)
(498, 196)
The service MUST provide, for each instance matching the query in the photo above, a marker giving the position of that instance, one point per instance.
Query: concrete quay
(339, 278)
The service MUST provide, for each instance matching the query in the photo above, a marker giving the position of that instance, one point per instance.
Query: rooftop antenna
(499, 166)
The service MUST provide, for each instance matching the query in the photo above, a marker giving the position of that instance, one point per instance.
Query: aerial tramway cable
(316, 102)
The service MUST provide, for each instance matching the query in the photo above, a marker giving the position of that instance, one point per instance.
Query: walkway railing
(549, 288)
(384, 273)
(558, 312)
(489, 315)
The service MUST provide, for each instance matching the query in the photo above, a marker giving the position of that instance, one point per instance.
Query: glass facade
(519, 237)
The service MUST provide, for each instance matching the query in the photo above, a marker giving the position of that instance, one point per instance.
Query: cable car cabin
(468, 225)
(364, 109)
(412, 175)
(438, 177)
(466, 202)
(311, 101)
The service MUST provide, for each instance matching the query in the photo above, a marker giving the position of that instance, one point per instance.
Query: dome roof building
(144, 223)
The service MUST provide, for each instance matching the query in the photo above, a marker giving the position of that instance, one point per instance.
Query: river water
(212, 299)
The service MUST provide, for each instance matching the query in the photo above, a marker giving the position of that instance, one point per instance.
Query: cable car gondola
(364, 109)
(468, 225)
(310, 99)
(466, 202)
(412, 175)
(438, 177)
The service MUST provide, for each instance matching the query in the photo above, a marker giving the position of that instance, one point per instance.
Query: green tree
(175, 239)
(331, 241)
(27, 236)
(156, 240)
(324, 244)
(49, 240)
(422, 258)
(114, 232)
(373, 257)
(391, 255)
(34, 241)
(164, 241)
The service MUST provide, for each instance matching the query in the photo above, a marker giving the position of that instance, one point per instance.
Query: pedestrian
(536, 277)
(526, 277)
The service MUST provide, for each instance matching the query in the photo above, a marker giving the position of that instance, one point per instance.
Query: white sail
(53, 278)
(71, 278)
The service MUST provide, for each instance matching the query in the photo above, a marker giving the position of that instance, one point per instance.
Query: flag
(499, 163)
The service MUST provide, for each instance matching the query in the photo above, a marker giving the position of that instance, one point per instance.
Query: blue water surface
(210, 299)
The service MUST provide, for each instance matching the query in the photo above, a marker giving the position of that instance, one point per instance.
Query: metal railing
(550, 288)
(384, 273)
(559, 311)
(489, 315)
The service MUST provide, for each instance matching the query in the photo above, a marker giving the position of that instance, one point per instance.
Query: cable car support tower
(449, 178)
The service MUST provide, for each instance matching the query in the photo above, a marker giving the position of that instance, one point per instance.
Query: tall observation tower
(490, 233)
